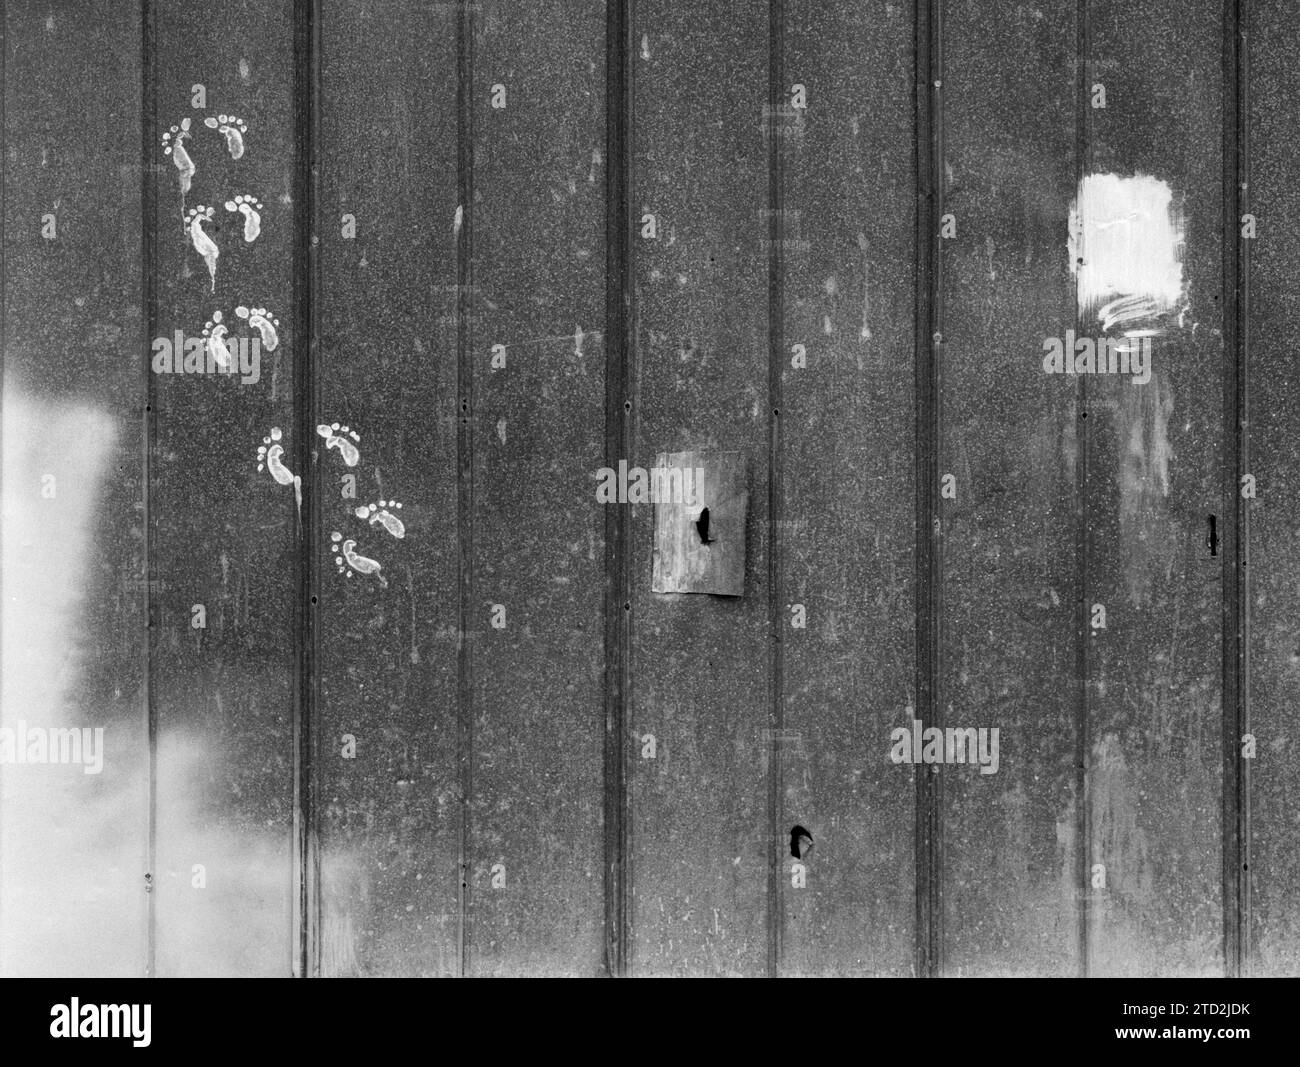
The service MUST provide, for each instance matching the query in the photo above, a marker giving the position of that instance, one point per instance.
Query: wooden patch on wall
(700, 502)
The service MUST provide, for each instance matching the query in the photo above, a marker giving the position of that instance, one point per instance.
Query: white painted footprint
(203, 244)
(344, 554)
(336, 436)
(263, 322)
(172, 146)
(233, 129)
(249, 206)
(377, 512)
(268, 456)
(214, 333)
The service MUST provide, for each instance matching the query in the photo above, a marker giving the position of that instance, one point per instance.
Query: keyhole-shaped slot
(1212, 537)
(800, 842)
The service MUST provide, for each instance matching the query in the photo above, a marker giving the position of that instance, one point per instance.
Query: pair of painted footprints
(173, 142)
(215, 333)
(270, 455)
(248, 206)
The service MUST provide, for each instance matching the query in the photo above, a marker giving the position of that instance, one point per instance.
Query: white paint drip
(203, 244)
(1126, 247)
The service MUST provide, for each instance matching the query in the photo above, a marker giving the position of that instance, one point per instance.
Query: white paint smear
(1126, 246)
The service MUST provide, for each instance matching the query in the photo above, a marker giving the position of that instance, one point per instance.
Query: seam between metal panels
(464, 462)
(927, 343)
(775, 576)
(149, 300)
(306, 30)
(1235, 616)
(1083, 826)
(618, 593)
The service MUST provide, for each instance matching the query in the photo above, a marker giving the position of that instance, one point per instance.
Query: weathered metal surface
(701, 501)
(389, 815)
(1154, 453)
(1007, 494)
(1272, 446)
(535, 620)
(700, 677)
(221, 534)
(845, 532)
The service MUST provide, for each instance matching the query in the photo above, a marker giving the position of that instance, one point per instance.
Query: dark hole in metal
(702, 528)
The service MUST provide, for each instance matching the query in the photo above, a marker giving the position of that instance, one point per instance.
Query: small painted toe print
(172, 145)
(382, 512)
(347, 559)
(268, 457)
(264, 322)
(232, 129)
(250, 207)
(214, 334)
(343, 439)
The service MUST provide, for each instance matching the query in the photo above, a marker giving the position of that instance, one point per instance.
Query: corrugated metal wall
(503, 246)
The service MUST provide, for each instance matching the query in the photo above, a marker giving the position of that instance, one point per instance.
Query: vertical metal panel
(1273, 443)
(72, 844)
(700, 839)
(1155, 455)
(388, 818)
(1007, 648)
(538, 257)
(846, 528)
(222, 534)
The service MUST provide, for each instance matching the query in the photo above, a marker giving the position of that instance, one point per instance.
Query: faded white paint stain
(1126, 248)
(1116, 835)
(1147, 532)
(864, 332)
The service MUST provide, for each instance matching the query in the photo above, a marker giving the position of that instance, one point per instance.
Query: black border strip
(619, 349)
